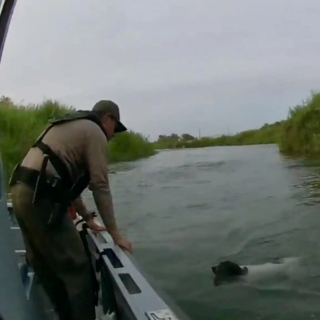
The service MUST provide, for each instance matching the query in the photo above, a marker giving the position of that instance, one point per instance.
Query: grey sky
(173, 66)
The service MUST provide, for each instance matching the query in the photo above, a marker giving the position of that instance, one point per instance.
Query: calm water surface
(187, 210)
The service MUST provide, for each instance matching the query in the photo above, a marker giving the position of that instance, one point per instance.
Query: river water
(187, 210)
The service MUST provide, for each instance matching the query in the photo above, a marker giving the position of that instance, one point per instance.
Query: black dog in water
(228, 271)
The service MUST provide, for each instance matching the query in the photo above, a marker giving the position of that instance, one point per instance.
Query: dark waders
(57, 255)
(54, 247)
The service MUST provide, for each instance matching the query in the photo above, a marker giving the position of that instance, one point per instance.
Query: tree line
(176, 137)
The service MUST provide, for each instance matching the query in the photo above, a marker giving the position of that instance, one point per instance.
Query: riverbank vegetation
(20, 125)
(267, 134)
(300, 134)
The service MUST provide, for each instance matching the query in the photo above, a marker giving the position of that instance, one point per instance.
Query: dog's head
(228, 269)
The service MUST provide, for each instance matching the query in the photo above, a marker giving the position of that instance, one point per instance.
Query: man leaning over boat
(68, 155)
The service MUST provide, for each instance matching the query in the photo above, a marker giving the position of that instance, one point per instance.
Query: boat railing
(132, 295)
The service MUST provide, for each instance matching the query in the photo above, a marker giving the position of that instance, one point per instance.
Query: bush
(301, 132)
(130, 146)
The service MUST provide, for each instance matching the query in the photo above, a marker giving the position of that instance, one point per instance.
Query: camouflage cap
(108, 106)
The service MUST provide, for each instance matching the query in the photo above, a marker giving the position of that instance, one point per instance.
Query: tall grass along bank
(300, 134)
(20, 126)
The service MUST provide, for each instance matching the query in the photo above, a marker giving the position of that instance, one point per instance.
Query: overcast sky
(171, 65)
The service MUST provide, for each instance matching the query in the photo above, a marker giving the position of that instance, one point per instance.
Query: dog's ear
(214, 269)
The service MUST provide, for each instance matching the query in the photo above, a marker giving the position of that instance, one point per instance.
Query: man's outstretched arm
(97, 161)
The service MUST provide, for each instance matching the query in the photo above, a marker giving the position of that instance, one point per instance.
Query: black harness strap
(57, 164)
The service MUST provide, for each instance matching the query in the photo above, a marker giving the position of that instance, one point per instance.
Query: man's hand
(122, 242)
(94, 226)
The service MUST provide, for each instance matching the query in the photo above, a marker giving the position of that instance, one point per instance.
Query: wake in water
(286, 269)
